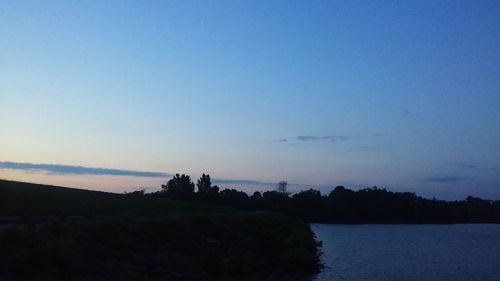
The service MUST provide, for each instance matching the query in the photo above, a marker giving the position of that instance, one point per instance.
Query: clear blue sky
(400, 94)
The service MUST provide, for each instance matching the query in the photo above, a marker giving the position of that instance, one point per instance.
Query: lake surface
(458, 252)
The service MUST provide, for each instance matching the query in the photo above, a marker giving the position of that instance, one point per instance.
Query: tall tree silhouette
(204, 184)
(282, 187)
(179, 187)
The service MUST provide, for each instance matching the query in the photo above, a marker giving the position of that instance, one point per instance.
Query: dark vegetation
(243, 246)
(193, 232)
(341, 205)
(72, 234)
(18, 198)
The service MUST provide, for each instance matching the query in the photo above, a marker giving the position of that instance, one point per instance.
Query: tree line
(341, 205)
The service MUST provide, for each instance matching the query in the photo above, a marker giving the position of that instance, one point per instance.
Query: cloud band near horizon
(59, 169)
(78, 170)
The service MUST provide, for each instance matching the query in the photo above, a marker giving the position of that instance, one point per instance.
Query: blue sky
(399, 94)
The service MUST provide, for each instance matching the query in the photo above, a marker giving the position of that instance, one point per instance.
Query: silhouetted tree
(275, 200)
(256, 196)
(341, 205)
(309, 205)
(282, 187)
(179, 187)
(214, 190)
(204, 184)
(234, 198)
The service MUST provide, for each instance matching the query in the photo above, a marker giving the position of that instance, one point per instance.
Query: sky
(404, 95)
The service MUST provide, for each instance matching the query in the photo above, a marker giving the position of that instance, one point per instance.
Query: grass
(244, 246)
(18, 198)
(142, 238)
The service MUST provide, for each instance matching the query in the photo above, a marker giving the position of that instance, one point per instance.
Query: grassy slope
(185, 242)
(18, 198)
(244, 246)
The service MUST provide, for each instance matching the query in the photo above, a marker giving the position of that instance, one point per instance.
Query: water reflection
(410, 252)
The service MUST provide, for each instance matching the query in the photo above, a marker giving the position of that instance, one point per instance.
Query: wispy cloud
(321, 138)
(363, 148)
(77, 170)
(308, 138)
(444, 179)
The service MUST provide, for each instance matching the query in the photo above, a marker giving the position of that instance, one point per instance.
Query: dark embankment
(179, 241)
(243, 246)
(18, 198)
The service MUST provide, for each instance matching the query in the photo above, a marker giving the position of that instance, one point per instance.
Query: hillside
(19, 198)
(134, 237)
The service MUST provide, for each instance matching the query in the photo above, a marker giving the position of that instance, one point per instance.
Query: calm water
(458, 252)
